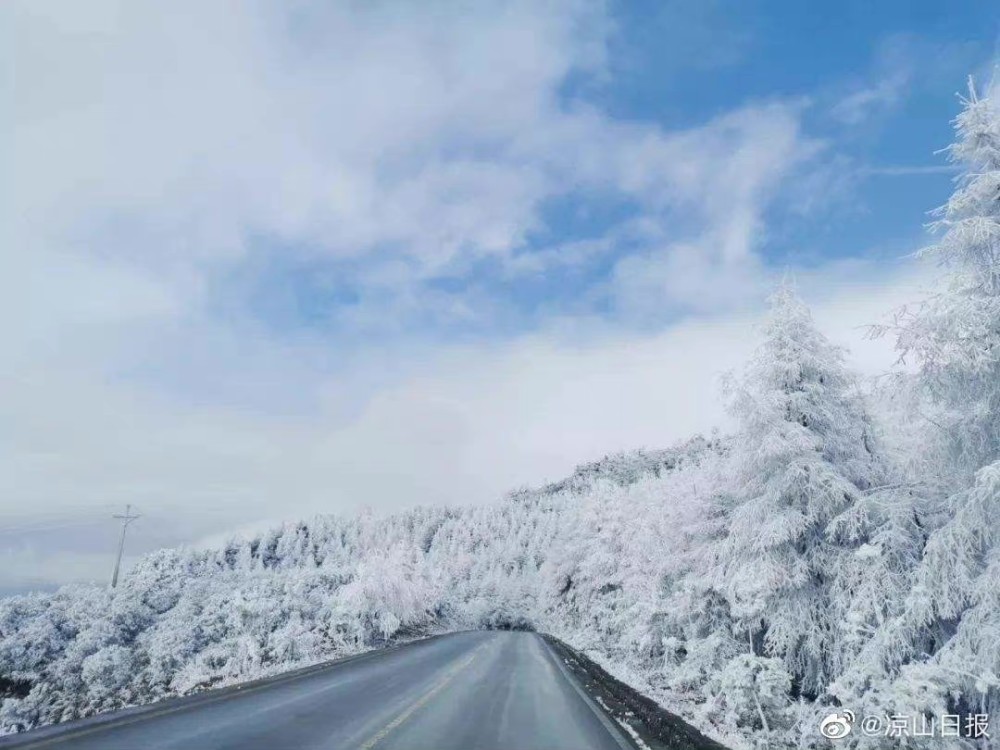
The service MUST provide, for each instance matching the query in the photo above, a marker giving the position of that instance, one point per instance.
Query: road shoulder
(649, 725)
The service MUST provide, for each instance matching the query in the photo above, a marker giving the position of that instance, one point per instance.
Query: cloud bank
(268, 259)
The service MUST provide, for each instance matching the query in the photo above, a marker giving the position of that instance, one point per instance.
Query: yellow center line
(420, 702)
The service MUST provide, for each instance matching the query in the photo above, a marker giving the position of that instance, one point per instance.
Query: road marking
(420, 702)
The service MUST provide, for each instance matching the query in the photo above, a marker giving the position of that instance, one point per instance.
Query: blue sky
(269, 259)
(875, 87)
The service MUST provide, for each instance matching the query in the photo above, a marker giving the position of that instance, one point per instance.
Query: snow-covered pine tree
(955, 335)
(952, 614)
(802, 457)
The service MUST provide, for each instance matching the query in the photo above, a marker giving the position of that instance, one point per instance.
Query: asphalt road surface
(466, 691)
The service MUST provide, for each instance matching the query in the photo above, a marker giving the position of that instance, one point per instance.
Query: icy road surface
(466, 691)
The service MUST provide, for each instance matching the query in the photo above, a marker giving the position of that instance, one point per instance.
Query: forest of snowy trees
(839, 549)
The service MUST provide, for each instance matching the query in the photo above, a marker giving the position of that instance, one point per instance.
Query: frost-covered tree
(939, 652)
(802, 457)
(955, 336)
(753, 692)
(389, 591)
(952, 612)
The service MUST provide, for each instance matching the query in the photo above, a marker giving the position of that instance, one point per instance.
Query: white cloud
(153, 141)
(173, 130)
(165, 135)
(906, 170)
(730, 171)
(467, 425)
(885, 86)
(863, 102)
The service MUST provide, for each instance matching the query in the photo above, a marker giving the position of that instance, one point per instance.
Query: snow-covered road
(465, 691)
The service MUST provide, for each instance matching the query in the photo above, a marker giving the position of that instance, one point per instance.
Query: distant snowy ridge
(629, 467)
(185, 619)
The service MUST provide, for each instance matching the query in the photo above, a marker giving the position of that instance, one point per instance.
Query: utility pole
(126, 520)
